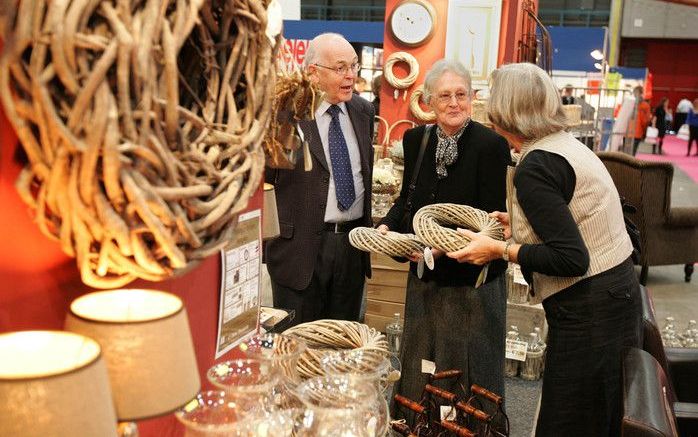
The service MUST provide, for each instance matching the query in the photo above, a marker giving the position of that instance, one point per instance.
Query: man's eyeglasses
(447, 97)
(343, 69)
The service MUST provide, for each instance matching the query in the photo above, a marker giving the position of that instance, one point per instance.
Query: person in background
(641, 117)
(359, 85)
(681, 113)
(313, 268)
(692, 122)
(567, 98)
(448, 320)
(376, 89)
(659, 122)
(568, 234)
(588, 111)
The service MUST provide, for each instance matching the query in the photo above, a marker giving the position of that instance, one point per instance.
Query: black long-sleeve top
(477, 179)
(660, 124)
(545, 184)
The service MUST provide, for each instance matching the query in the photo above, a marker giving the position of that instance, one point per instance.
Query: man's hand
(383, 229)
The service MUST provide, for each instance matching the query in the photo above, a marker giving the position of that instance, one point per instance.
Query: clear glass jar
(393, 332)
(342, 406)
(368, 366)
(283, 352)
(532, 368)
(211, 414)
(249, 382)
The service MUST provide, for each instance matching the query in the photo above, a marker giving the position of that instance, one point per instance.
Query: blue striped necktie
(341, 165)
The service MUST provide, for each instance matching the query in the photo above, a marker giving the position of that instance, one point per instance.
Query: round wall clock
(412, 22)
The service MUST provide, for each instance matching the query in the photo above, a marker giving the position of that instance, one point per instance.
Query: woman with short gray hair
(448, 320)
(568, 234)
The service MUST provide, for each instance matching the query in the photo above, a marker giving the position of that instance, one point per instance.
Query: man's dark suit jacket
(301, 198)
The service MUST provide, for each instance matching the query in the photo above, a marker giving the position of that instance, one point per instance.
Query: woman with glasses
(448, 320)
(569, 237)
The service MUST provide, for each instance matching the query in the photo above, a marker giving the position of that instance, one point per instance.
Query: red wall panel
(673, 64)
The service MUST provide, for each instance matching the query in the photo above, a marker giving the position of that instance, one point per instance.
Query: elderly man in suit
(313, 268)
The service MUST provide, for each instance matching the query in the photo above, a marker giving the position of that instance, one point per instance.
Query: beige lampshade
(270, 215)
(147, 346)
(54, 383)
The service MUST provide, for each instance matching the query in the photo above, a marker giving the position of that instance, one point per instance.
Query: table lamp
(270, 215)
(147, 346)
(54, 383)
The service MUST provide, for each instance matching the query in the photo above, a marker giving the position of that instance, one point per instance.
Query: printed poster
(240, 281)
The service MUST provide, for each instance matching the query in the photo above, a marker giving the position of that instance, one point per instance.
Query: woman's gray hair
(525, 102)
(438, 69)
(316, 44)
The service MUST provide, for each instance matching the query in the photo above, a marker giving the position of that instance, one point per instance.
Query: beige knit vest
(595, 207)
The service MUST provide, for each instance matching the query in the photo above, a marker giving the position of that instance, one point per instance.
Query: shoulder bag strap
(417, 167)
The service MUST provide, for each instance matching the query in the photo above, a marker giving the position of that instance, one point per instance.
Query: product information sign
(239, 297)
(516, 350)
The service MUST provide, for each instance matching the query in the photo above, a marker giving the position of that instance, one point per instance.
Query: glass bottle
(669, 324)
(691, 330)
(394, 333)
(511, 367)
(541, 345)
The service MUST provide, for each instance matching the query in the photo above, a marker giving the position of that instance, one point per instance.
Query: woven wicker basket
(325, 336)
(428, 221)
(142, 123)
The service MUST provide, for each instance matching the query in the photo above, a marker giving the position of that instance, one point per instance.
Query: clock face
(412, 22)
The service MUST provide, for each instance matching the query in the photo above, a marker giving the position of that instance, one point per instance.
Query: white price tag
(519, 277)
(448, 413)
(428, 367)
(516, 350)
(429, 258)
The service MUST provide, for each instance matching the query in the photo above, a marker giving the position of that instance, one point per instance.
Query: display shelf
(385, 291)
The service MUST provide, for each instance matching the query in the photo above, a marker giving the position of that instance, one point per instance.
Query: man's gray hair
(438, 69)
(525, 102)
(312, 55)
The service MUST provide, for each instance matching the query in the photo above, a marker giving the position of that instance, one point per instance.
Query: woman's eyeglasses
(343, 69)
(447, 97)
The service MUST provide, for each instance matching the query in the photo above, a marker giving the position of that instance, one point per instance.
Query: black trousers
(692, 136)
(336, 288)
(590, 324)
(679, 119)
(636, 144)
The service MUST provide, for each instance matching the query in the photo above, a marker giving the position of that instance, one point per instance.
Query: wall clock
(412, 22)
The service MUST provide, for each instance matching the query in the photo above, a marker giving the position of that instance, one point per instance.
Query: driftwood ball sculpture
(142, 122)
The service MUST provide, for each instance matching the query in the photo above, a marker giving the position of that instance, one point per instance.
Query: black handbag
(406, 223)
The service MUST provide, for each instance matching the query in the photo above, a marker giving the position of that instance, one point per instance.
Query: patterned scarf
(447, 149)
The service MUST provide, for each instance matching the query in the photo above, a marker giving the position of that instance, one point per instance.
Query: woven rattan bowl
(390, 243)
(326, 336)
(430, 225)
